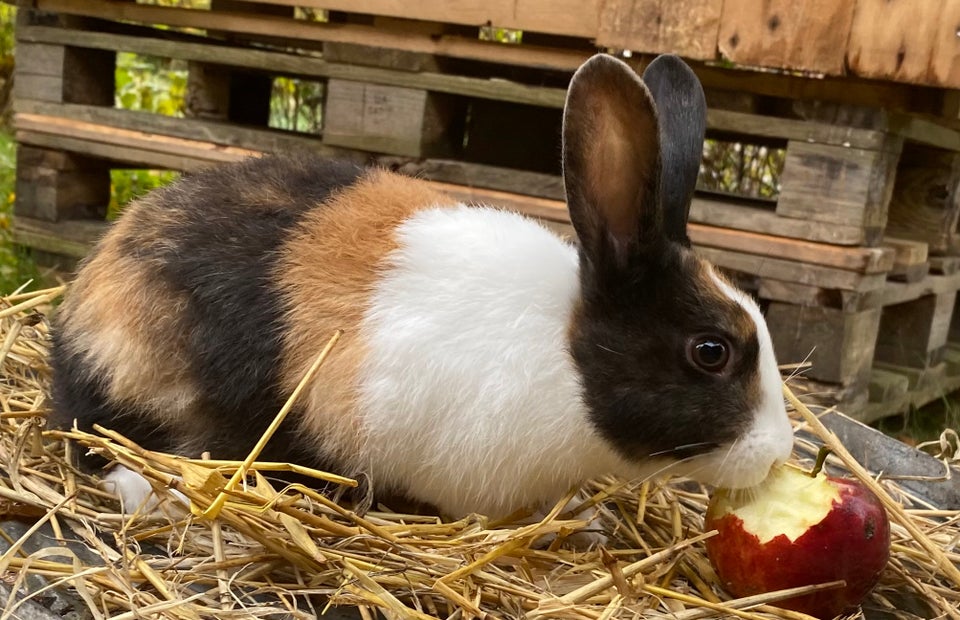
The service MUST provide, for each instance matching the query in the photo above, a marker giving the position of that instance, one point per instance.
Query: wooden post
(55, 185)
(216, 92)
(914, 333)
(839, 345)
(393, 120)
(839, 185)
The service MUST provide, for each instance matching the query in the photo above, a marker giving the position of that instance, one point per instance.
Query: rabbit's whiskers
(690, 449)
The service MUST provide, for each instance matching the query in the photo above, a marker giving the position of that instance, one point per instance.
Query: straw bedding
(260, 550)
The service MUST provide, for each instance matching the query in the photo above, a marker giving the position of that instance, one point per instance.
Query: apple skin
(851, 543)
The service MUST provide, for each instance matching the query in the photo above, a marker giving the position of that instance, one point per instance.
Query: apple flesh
(794, 530)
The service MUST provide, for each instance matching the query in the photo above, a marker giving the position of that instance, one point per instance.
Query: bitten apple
(798, 529)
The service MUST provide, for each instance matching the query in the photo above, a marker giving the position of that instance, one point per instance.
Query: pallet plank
(933, 284)
(861, 260)
(848, 89)
(906, 41)
(72, 238)
(685, 27)
(563, 17)
(809, 35)
(745, 217)
(911, 259)
(812, 295)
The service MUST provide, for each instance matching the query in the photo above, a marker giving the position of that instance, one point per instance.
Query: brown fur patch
(736, 321)
(328, 272)
(128, 326)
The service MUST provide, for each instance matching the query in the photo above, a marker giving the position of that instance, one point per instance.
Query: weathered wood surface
(723, 213)
(911, 259)
(848, 269)
(873, 38)
(836, 184)
(906, 41)
(926, 198)
(808, 35)
(685, 27)
(839, 345)
(914, 333)
(886, 456)
(393, 119)
(718, 120)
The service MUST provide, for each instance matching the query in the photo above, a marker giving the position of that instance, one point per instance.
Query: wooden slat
(277, 62)
(72, 238)
(812, 295)
(718, 120)
(790, 271)
(685, 27)
(189, 128)
(810, 35)
(114, 142)
(565, 17)
(861, 260)
(742, 217)
(138, 139)
(792, 129)
(846, 89)
(910, 263)
(900, 292)
(906, 41)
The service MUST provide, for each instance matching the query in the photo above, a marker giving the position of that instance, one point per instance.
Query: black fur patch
(219, 250)
(629, 341)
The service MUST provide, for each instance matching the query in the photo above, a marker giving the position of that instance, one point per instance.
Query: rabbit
(487, 365)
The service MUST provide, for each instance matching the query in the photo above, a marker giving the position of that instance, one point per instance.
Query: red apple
(798, 529)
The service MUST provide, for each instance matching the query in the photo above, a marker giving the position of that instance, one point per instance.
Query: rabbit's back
(173, 331)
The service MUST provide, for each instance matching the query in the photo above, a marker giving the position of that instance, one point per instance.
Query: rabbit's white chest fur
(486, 423)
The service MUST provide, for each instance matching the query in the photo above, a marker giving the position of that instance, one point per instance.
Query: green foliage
(296, 105)
(925, 424)
(150, 84)
(743, 169)
(127, 185)
(16, 268)
(500, 35)
(147, 84)
(8, 16)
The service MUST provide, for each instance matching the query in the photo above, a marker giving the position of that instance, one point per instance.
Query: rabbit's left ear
(611, 161)
(682, 110)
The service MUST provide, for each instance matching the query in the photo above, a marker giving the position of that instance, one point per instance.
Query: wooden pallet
(837, 180)
(841, 264)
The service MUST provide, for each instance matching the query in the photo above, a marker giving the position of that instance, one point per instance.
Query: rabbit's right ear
(682, 111)
(611, 160)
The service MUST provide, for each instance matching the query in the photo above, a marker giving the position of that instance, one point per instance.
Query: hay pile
(292, 553)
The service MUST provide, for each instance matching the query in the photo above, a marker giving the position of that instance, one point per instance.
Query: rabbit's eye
(709, 353)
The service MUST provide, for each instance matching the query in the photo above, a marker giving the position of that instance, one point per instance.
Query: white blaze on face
(769, 439)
